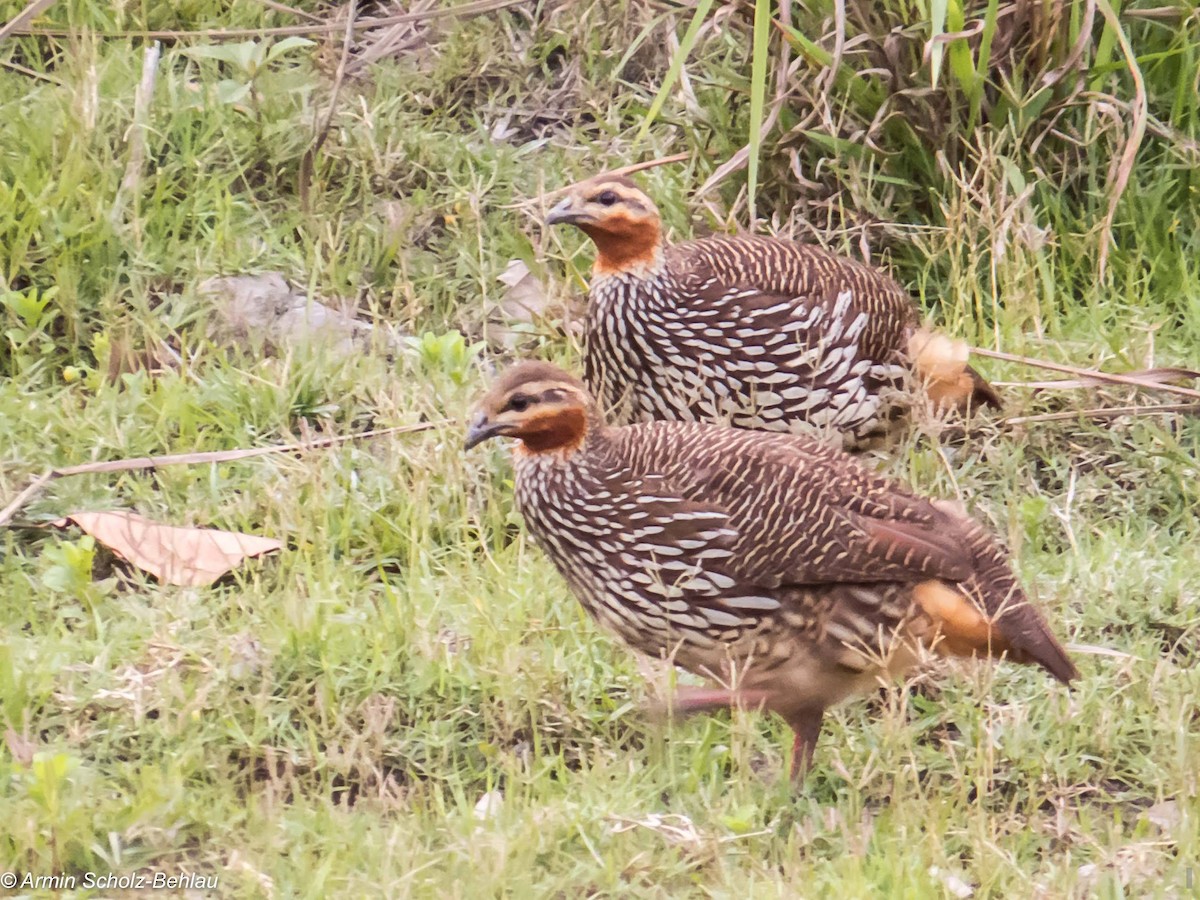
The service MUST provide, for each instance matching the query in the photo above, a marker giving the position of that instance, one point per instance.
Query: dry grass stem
(1104, 412)
(18, 23)
(195, 459)
(1137, 130)
(1092, 375)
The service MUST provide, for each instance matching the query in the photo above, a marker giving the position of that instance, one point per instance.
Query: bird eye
(519, 403)
(606, 198)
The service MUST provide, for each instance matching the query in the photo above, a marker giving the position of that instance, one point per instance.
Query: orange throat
(625, 245)
(559, 431)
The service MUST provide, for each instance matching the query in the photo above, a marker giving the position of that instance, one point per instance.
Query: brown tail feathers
(1022, 625)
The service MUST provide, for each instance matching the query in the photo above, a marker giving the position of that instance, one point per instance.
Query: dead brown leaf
(525, 298)
(182, 556)
(125, 357)
(21, 746)
(525, 308)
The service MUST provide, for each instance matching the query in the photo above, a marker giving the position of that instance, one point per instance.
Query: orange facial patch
(623, 242)
(559, 429)
(962, 629)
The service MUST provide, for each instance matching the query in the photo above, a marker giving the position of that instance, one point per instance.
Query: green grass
(327, 721)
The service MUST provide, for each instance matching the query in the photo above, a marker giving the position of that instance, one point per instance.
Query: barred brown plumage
(772, 564)
(754, 332)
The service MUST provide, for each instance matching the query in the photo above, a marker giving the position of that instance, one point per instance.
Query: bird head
(539, 403)
(621, 220)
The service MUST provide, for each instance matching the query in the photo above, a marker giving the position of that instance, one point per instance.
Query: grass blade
(685, 50)
(1137, 129)
(937, 26)
(959, 50)
(758, 92)
(1104, 49)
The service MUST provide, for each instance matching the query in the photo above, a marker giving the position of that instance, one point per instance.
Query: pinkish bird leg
(688, 700)
(807, 726)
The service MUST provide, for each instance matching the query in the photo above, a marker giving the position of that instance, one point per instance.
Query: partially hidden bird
(751, 331)
(776, 567)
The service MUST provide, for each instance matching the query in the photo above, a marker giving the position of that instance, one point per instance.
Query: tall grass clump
(881, 114)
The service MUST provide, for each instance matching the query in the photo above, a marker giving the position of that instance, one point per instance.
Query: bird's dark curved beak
(565, 213)
(481, 430)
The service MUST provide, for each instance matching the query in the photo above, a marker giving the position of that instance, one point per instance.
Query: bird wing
(780, 280)
(806, 514)
(674, 560)
(791, 519)
(692, 561)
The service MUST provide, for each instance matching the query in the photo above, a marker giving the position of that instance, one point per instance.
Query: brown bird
(754, 332)
(773, 565)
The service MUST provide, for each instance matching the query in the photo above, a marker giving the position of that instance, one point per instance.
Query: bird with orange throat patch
(750, 331)
(773, 565)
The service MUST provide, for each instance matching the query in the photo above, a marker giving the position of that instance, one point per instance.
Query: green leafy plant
(448, 353)
(69, 569)
(250, 62)
(49, 779)
(30, 312)
(249, 59)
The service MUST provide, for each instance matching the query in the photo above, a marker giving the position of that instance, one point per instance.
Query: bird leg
(688, 700)
(807, 727)
(805, 723)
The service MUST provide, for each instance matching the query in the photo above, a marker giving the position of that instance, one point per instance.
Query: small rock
(1165, 816)
(954, 885)
(526, 297)
(264, 312)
